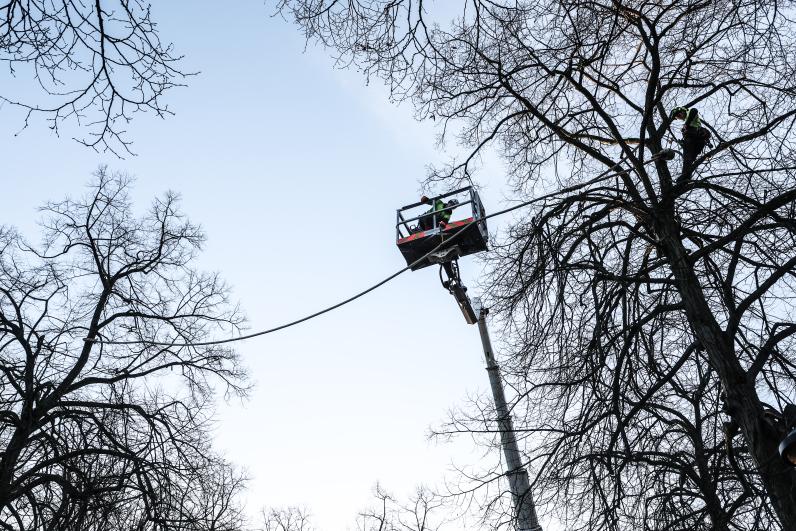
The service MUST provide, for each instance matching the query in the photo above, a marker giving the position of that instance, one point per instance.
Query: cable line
(364, 292)
(297, 321)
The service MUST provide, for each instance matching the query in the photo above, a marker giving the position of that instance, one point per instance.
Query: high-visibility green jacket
(691, 117)
(442, 213)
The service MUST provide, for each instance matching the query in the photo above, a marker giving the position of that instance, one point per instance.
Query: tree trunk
(743, 404)
(11, 455)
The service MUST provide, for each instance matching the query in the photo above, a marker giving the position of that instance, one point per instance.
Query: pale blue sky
(295, 169)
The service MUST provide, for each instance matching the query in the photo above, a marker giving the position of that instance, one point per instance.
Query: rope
(374, 286)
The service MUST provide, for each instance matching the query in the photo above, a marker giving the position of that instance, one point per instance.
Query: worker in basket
(440, 208)
(695, 138)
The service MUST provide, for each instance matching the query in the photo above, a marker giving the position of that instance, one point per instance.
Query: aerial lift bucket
(425, 239)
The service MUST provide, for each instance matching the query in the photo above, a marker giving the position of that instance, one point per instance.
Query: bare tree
(110, 436)
(648, 309)
(286, 519)
(419, 513)
(202, 499)
(96, 64)
(211, 500)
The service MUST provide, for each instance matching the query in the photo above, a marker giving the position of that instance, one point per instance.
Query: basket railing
(403, 223)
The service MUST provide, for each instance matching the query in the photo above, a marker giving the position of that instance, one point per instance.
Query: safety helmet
(678, 110)
(424, 199)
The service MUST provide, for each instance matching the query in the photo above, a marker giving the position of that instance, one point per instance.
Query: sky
(294, 169)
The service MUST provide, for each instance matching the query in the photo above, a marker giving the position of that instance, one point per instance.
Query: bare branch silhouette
(649, 313)
(94, 436)
(96, 64)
